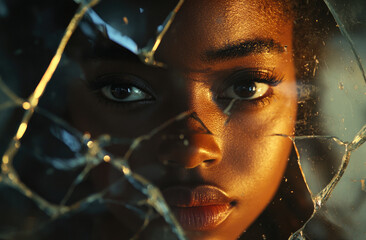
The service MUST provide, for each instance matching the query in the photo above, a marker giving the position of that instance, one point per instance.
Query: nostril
(208, 162)
(233, 203)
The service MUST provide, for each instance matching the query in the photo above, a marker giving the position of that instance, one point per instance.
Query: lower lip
(202, 217)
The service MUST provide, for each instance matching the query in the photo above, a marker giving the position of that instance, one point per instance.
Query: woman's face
(229, 65)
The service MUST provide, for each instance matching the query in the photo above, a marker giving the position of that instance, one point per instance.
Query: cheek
(258, 170)
(255, 159)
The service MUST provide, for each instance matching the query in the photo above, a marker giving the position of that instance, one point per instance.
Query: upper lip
(203, 195)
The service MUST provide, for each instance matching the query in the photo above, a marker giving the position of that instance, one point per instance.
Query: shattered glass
(63, 176)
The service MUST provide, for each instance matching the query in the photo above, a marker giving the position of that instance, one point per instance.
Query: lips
(200, 208)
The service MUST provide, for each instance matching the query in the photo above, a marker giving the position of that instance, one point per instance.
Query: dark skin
(210, 57)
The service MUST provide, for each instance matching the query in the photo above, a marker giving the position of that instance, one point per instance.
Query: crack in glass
(80, 154)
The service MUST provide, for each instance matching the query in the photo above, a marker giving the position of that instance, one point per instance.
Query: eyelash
(269, 77)
(96, 85)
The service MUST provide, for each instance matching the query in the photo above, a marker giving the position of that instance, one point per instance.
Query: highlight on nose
(190, 151)
(189, 144)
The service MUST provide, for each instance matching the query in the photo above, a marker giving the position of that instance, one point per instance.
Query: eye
(249, 85)
(124, 93)
(246, 90)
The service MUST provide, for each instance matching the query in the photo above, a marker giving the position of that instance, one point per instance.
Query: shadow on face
(228, 65)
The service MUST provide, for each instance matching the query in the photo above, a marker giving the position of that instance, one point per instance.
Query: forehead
(199, 26)
(206, 25)
(139, 19)
(226, 16)
(220, 21)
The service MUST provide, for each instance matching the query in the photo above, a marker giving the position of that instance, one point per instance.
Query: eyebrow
(242, 49)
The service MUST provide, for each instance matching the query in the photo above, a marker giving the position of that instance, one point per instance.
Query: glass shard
(182, 119)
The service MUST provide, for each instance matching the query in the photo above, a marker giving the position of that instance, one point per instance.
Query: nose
(190, 144)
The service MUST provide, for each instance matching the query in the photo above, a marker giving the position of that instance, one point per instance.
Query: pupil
(121, 92)
(245, 90)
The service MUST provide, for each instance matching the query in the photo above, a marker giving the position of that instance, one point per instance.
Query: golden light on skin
(26, 105)
(107, 158)
(251, 160)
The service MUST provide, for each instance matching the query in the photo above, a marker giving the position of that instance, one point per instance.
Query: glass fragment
(75, 166)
